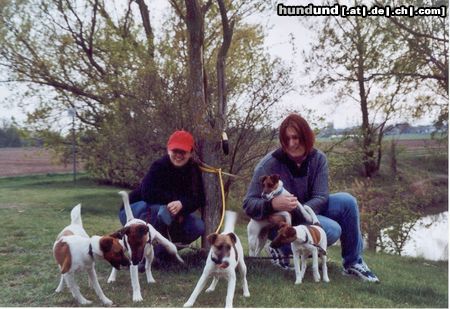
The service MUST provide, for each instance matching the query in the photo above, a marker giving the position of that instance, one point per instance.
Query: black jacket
(165, 183)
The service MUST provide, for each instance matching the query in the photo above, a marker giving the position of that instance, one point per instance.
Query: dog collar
(91, 254)
(274, 193)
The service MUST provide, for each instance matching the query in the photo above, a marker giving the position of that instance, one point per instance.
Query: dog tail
(75, 215)
(230, 221)
(126, 205)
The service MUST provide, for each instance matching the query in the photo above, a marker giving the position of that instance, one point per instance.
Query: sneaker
(279, 258)
(362, 271)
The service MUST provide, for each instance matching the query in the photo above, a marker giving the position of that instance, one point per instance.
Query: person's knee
(349, 202)
(122, 216)
(200, 227)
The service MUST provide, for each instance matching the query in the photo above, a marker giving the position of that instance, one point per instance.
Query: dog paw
(150, 278)
(137, 297)
(188, 305)
(85, 302)
(58, 290)
(326, 280)
(298, 281)
(247, 294)
(209, 290)
(107, 302)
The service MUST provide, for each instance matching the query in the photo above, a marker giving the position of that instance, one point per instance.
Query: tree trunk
(210, 153)
(207, 129)
(370, 166)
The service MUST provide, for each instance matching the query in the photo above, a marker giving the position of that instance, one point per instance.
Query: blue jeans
(185, 232)
(341, 220)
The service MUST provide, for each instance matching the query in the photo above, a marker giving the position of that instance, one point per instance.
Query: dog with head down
(139, 238)
(305, 240)
(75, 251)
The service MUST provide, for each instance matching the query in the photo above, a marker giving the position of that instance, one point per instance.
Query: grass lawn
(34, 209)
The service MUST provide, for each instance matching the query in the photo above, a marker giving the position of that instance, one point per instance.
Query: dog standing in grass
(139, 237)
(225, 256)
(304, 240)
(74, 251)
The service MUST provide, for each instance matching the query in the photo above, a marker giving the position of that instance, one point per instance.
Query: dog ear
(142, 230)
(262, 178)
(232, 237)
(290, 232)
(212, 238)
(106, 244)
(119, 234)
(282, 225)
(275, 177)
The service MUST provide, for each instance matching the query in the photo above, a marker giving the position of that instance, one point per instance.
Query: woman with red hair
(304, 172)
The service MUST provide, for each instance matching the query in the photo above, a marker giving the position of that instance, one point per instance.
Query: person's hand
(174, 207)
(284, 203)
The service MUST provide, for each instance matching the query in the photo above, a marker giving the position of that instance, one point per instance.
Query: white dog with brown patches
(74, 251)
(304, 240)
(139, 238)
(225, 255)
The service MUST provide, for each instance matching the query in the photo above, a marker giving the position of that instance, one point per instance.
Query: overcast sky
(277, 43)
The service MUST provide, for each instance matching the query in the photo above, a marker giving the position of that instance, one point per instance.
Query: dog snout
(276, 243)
(136, 258)
(217, 260)
(125, 262)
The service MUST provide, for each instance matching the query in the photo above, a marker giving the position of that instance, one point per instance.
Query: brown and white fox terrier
(226, 254)
(139, 238)
(305, 240)
(75, 251)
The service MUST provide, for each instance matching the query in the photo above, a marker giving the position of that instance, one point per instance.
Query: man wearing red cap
(170, 192)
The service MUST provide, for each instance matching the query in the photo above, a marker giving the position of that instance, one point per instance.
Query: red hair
(301, 126)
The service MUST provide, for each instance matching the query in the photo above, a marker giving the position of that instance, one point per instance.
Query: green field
(34, 209)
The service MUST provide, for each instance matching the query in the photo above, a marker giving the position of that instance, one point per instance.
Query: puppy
(139, 238)
(225, 255)
(75, 251)
(257, 230)
(304, 240)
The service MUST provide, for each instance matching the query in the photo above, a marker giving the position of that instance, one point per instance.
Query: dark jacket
(165, 183)
(309, 183)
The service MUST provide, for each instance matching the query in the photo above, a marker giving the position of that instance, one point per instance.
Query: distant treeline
(13, 136)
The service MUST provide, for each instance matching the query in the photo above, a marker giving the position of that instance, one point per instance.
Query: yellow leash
(209, 169)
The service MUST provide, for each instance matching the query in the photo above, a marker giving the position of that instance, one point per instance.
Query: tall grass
(34, 209)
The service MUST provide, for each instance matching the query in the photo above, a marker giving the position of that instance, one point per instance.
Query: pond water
(428, 239)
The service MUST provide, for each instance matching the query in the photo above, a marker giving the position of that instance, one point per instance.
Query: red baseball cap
(182, 140)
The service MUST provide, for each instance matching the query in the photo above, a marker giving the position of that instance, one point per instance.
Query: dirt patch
(28, 161)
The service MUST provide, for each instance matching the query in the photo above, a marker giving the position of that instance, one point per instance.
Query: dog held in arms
(257, 230)
(139, 238)
(225, 255)
(74, 251)
(304, 240)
